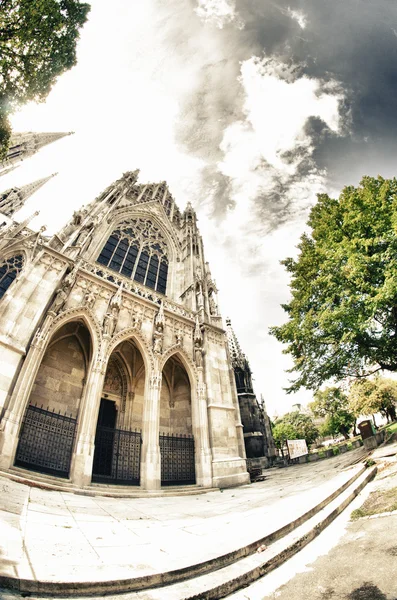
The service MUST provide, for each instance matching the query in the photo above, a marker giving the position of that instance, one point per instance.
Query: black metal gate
(46, 442)
(177, 459)
(117, 456)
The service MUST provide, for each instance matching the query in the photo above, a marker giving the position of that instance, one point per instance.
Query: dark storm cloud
(353, 42)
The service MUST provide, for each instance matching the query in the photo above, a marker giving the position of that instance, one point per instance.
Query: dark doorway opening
(104, 438)
(117, 451)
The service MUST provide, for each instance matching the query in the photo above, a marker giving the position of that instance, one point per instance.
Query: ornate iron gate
(46, 442)
(117, 456)
(177, 459)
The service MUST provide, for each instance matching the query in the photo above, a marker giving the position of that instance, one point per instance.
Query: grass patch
(392, 428)
(377, 502)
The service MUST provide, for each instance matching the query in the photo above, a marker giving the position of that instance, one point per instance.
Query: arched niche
(175, 401)
(125, 384)
(62, 374)
(50, 421)
(177, 445)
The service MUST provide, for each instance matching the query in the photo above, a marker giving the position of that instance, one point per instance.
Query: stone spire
(14, 198)
(236, 354)
(24, 145)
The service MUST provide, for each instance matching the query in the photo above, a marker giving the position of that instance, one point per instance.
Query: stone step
(221, 575)
(223, 582)
(58, 484)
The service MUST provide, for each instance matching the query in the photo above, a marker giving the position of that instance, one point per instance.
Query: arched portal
(176, 437)
(118, 432)
(49, 425)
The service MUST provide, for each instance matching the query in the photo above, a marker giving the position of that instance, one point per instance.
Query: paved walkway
(348, 561)
(59, 536)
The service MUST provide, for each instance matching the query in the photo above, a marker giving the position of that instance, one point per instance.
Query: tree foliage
(333, 404)
(342, 318)
(369, 396)
(294, 426)
(37, 44)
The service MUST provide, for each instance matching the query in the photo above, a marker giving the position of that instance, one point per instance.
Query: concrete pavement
(57, 536)
(350, 560)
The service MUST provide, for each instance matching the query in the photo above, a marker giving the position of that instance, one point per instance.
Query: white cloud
(218, 12)
(277, 107)
(298, 16)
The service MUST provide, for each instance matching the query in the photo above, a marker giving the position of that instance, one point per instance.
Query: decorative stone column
(200, 421)
(83, 457)
(11, 422)
(151, 459)
(201, 435)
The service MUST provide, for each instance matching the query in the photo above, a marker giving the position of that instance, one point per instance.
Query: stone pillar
(202, 448)
(13, 416)
(83, 457)
(151, 459)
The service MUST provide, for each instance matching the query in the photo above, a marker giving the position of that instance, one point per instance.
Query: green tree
(342, 318)
(333, 404)
(294, 426)
(369, 396)
(37, 44)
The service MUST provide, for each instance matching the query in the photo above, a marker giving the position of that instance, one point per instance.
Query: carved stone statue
(198, 344)
(110, 322)
(159, 323)
(213, 306)
(89, 299)
(61, 297)
(158, 342)
(198, 354)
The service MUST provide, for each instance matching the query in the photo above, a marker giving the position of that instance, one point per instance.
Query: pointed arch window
(137, 249)
(9, 269)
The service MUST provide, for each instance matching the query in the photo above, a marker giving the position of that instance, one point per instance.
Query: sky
(248, 109)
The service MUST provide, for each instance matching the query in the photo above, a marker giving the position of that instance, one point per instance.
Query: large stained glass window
(9, 269)
(137, 249)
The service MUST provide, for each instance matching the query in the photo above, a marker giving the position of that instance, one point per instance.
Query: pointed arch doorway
(48, 429)
(176, 432)
(118, 437)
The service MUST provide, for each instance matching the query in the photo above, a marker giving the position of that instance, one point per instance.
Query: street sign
(297, 448)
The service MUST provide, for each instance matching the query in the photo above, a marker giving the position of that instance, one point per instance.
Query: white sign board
(297, 448)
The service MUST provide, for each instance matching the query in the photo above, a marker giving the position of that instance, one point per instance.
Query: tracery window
(9, 269)
(137, 249)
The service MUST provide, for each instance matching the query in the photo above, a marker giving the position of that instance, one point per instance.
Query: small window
(9, 269)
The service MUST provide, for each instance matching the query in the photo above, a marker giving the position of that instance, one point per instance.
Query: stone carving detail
(116, 380)
(112, 314)
(159, 323)
(198, 344)
(89, 298)
(64, 290)
(113, 381)
(155, 380)
(213, 305)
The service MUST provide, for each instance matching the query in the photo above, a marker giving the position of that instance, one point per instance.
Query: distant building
(258, 436)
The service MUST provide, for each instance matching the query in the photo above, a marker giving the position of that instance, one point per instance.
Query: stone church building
(258, 438)
(114, 363)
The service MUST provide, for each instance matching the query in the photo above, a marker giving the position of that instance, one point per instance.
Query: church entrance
(49, 426)
(176, 438)
(118, 440)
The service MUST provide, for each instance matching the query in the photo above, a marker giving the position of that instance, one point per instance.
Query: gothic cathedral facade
(114, 363)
